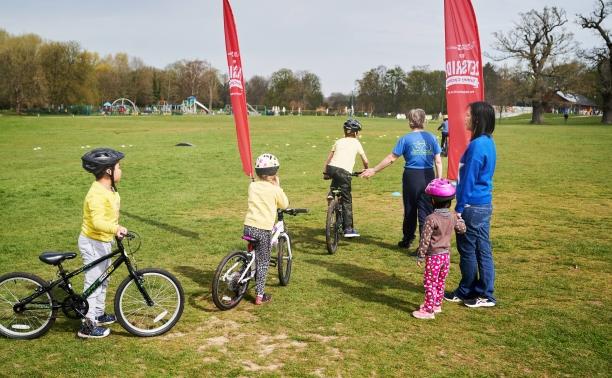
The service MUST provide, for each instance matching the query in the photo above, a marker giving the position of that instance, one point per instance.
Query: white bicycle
(237, 269)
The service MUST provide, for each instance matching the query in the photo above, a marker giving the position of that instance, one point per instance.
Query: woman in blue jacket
(474, 197)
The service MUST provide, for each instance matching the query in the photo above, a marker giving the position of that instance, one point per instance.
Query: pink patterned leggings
(434, 278)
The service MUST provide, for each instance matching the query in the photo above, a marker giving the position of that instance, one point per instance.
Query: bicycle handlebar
(327, 177)
(294, 211)
(132, 239)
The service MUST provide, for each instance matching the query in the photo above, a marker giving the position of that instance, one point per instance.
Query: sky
(338, 40)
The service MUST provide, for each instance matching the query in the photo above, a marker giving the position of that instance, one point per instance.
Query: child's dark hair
(441, 204)
(483, 119)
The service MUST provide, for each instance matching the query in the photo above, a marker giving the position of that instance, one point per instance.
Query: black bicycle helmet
(99, 159)
(352, 125)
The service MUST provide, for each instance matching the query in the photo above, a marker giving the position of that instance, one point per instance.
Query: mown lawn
(346, 314)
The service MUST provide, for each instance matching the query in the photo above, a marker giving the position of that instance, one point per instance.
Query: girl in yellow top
(265, 197)
(100, 225)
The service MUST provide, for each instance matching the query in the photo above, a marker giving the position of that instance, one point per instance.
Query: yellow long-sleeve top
(100, 213)
(264, 199)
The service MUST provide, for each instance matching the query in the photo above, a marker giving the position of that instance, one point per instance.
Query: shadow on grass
(372, 284)
(369, 277)
(368, 294)
(164, 226)
(312, 241)
(204, 280)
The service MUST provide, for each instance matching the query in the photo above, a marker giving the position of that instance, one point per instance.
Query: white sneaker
(479, 302)
(351, 233)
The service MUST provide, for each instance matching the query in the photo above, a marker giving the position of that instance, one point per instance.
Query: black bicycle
(335, 218)
(149, 302)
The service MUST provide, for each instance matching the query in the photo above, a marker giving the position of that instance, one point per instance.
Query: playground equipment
(191, 104)
(123, 106)
(162, 108)
(252, 110)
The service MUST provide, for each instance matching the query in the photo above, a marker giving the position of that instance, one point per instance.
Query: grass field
(346, 314)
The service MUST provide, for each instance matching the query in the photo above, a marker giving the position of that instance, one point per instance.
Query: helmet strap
(112, 177)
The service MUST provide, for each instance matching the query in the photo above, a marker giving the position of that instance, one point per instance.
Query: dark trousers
(416, 204)
(444, 141)
(341, 180)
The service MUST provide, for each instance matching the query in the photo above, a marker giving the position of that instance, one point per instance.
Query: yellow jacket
(100, 213)
(264, 199)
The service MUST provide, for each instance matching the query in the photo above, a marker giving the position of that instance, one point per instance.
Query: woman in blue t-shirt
(474, 198)
(421, 151)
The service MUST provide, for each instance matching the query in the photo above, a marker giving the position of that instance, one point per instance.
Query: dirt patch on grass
(252, 366)
(218, 342)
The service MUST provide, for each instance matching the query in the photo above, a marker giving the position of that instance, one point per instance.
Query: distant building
(577, 104)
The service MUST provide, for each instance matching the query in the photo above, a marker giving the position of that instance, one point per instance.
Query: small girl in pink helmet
(434, 247)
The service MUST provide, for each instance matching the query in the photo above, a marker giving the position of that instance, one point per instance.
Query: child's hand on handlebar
(121, 232)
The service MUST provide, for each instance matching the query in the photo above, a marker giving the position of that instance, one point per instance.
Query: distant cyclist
(339, 167)
(444, 142)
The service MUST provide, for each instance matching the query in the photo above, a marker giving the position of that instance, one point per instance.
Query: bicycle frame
(64, 281)
(278, 231)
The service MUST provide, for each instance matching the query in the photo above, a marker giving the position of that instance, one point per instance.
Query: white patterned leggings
(262, 255)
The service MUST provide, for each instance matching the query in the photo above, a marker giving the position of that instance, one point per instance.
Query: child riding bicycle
(339, 167)
(434, 247)
(444, 142)
(100, 225)
(265, 197)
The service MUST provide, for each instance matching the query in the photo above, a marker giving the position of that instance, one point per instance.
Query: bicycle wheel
(35, 318)
(331, 227)
(227, 292)
(133, 312)
(283, 260)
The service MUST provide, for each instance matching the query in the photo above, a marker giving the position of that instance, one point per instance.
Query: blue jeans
(476, 256)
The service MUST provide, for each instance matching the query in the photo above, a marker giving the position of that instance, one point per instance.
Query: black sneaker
(90, 331)
(451, 297)
(404, 243)
(106, 319)
(479, 302)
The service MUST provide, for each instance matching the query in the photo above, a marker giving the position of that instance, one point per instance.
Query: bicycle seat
(55, 258)
(250, 239)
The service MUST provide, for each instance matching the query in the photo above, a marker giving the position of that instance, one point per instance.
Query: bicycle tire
(226, 291)
(165, 291)
(331, 227)
(31, 323)
(283, 260)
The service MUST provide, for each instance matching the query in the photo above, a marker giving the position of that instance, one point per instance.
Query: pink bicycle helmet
(440, 190)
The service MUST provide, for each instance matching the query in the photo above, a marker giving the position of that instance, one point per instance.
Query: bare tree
(537, 40)
(600, 56)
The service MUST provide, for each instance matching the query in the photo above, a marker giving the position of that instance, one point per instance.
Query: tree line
(544, 58)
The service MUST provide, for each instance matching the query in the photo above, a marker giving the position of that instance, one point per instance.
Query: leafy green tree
(283, 88)
(256, 90)
(68, 72)
(21, 79)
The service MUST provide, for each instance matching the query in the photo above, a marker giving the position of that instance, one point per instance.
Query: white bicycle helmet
(266, 165)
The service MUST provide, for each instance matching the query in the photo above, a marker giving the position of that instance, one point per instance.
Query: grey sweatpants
(92, 250)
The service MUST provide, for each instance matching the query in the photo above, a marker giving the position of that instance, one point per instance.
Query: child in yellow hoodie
(265, 197)
(100, 226)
